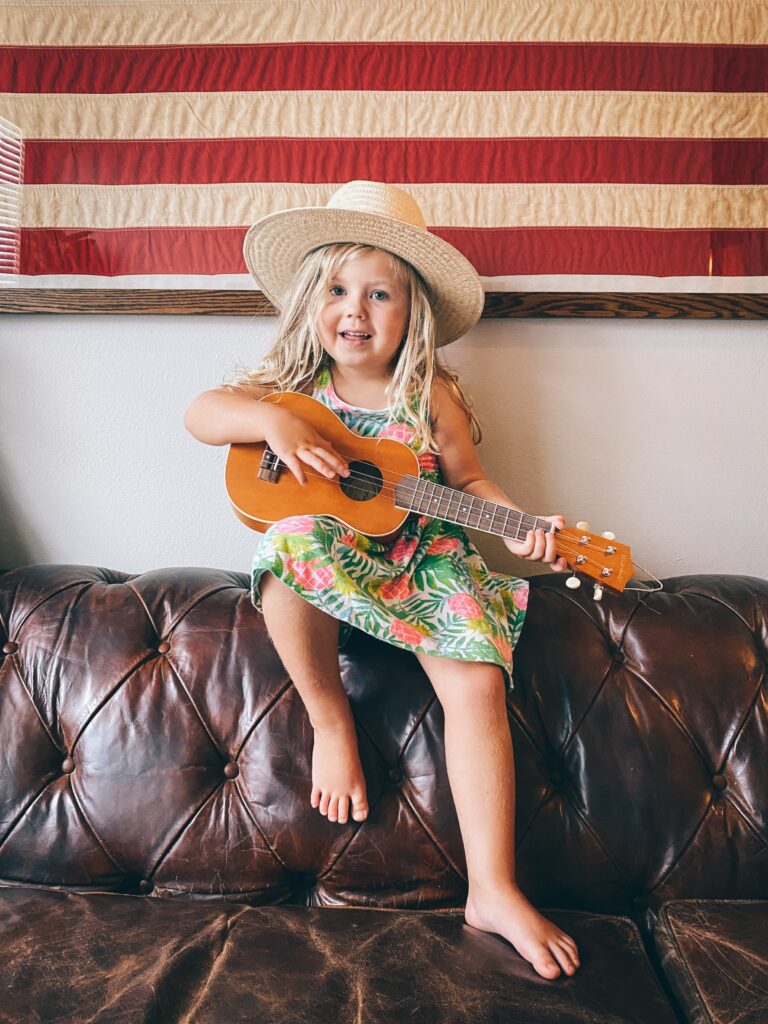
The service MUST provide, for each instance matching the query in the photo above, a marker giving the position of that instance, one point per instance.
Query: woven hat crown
(380, 198)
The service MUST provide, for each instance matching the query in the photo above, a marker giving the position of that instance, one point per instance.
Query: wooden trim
(498, 305)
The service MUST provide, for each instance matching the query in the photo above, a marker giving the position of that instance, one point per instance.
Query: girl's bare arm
(221, 416)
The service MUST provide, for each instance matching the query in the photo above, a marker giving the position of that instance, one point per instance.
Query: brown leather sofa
(160, 860)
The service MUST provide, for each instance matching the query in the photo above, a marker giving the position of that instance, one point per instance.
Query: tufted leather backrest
(150, 741)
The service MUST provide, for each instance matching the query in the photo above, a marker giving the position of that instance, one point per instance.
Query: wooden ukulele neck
(440, 502)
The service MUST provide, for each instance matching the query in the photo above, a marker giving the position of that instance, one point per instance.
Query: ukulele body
(364, 501)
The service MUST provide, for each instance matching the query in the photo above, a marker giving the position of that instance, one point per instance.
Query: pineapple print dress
(429, 591)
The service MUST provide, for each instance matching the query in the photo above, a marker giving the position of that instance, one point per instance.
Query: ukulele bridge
(269, 468)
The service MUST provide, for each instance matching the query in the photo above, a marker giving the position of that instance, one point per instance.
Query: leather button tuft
(719, 781)
(619, 656)
(145, 886)
(231, 770)
(68, 765)
(10, 647)
(395, 776)
(557, 778)
(163, 647)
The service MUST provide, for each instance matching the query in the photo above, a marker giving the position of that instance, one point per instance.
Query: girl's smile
(364, 315)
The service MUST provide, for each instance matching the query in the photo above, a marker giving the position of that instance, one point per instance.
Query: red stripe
(468, 66)
(494, 252)
(202, 161)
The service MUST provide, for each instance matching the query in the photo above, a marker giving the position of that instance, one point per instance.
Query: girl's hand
(298, 444)
(539, 545)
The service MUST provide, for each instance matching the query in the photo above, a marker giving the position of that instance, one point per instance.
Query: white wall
(653, 429)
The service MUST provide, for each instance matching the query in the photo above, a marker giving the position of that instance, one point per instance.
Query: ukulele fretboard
(441, 502)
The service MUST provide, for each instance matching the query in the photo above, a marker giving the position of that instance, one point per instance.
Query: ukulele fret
(470, 509)
(404, 492)
(429, 492)
(453, 513)
(488, 516)
(420, 497)
(466, 511)
(473, 512)
(434, 501)
(444, 514)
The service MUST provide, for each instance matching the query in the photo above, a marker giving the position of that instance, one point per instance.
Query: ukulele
(384, 486)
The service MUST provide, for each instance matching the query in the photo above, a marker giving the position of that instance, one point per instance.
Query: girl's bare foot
(337, 775)
(507, 912)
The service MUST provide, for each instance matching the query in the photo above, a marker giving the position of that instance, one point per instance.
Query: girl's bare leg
(307, 640)
(481, 772)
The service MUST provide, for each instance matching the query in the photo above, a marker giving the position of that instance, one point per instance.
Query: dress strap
(321, 379)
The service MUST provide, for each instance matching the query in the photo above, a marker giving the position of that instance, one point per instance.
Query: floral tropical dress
(429, 591)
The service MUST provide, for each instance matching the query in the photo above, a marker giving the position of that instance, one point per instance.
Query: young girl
(366, 295)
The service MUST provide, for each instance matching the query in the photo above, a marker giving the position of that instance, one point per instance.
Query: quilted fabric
(151, 742)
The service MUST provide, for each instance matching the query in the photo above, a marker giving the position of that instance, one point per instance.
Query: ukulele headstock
(601, 557)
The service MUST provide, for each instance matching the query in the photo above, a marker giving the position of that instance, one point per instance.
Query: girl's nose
(356, 303)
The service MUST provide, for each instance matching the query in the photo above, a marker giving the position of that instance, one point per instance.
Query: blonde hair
(297, 353)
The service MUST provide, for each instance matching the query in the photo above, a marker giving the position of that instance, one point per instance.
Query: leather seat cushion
(715, 955)
(121, 958)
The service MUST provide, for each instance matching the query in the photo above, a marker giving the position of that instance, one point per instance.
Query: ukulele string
(390, 490)
(391, 485)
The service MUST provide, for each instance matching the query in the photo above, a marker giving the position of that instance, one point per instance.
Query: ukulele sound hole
(364, 481)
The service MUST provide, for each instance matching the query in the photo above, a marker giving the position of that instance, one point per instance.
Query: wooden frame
(498, 305)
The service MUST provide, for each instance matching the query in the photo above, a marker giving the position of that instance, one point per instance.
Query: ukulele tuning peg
(583, 526)
(598, 594)
(573, 582)
(608, 535)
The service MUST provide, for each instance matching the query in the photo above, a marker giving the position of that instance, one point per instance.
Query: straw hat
(370, 213)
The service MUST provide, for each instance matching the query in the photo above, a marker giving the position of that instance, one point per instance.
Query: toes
(333, 807)
(343, 807)
(360, 814)
(546, 965)
(565, 958)
(360, 805)
(337, 807)
(570, 948)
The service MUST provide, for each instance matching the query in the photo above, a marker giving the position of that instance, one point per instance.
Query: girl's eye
(378, 291)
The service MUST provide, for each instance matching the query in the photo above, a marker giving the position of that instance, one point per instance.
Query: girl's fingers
(331, 460)
(318, 458)
(295, 467)
(315, 461)
(551, 552)
(538, 546)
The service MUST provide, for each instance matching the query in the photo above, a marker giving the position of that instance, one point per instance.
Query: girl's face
(364, 297)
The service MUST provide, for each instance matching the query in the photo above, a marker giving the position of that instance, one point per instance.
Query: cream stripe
(327, 114)
(529, 283)
(117, 24)
(477, 206)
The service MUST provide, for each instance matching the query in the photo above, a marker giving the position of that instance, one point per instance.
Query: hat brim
(274, 246)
